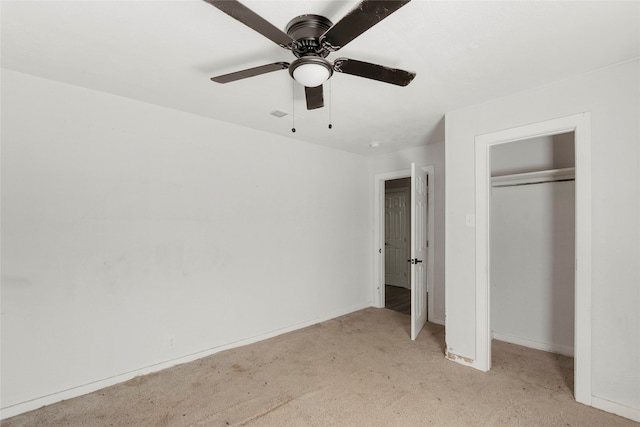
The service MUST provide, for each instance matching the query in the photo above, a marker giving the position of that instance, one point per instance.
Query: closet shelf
(550, 175)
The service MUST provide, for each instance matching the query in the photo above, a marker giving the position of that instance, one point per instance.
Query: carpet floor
(356, 370)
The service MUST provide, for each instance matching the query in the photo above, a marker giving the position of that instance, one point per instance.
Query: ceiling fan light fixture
(310, 71)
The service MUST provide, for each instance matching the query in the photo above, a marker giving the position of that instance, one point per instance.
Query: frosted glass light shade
(311, 75)
(310, 71)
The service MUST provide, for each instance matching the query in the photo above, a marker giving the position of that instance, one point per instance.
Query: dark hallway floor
(397, 299)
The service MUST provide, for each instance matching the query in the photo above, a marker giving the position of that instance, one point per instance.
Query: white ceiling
(464, 53)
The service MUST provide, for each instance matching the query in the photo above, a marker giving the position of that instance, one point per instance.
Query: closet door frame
(580, 124)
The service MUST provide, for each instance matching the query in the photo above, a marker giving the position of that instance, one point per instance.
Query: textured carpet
(357, 370)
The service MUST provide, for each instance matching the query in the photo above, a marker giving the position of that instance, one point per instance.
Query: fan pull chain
(293, 106)
(330, 101)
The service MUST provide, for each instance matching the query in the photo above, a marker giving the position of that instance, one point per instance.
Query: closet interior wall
(532, 245)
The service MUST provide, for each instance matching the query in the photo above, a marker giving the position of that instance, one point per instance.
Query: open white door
(418, 250)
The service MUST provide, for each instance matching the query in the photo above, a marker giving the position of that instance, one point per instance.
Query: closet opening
(532, 234)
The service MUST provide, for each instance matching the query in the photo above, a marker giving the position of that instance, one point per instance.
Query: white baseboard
(553, 348)
(30, 405)
(616, 408)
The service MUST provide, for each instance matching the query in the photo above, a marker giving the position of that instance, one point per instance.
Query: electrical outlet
(172, 342)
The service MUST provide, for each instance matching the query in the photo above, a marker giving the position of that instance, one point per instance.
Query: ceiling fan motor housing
(306, 31)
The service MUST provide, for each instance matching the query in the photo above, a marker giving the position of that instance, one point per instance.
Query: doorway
(397, 218)
(380, 231)
(580, 125)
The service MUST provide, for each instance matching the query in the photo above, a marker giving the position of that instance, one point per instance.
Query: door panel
(395, 241)
(418, 260)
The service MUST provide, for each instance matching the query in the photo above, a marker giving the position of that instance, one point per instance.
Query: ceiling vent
(279, 113)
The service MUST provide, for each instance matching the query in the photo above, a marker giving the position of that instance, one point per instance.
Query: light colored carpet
(357, 370)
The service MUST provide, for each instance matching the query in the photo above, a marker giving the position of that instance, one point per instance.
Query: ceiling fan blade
(242, 13)
(250, 72)
(364, 16)
(315, 97)
(373, 71)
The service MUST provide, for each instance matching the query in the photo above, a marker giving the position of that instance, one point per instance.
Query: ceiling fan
(312, 38)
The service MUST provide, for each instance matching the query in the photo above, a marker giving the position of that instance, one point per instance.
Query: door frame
(378, 238)
(580, 124)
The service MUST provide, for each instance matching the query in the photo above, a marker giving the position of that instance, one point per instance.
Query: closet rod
(532, 183)
(537, 177)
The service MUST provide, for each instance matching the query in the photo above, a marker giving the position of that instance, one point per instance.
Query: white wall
(135, 237)
(429, 154)
(533, 154)
(532, 262)
(612, 95)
